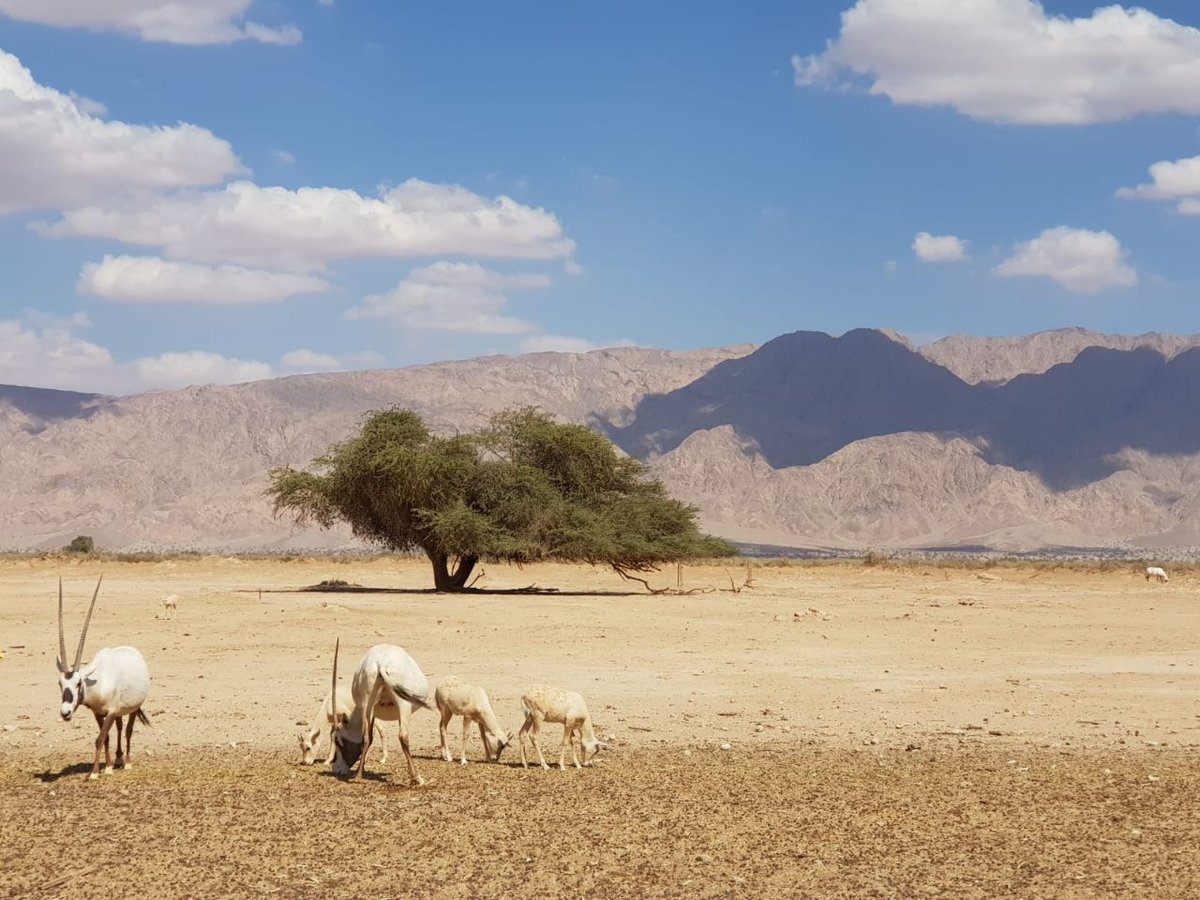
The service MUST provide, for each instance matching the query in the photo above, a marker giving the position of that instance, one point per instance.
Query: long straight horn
(333, 695)
(86, 622)
(62, 638)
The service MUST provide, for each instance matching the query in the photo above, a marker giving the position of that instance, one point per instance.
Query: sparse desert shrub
(876, 558)
(81, 544)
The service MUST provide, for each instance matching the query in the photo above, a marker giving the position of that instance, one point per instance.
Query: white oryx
(385, 674)
(454, 698)
(311, 739)
(1157, 572)
(113, 685)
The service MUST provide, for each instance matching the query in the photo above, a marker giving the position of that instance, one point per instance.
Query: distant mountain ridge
(808, 441)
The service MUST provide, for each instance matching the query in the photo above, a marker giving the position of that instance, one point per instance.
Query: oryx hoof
(93, 776)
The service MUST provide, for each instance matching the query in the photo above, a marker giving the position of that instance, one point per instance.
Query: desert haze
(1064, 439)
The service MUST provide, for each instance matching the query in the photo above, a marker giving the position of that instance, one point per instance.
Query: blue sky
(265, 188)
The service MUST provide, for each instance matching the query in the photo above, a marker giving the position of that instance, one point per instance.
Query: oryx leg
(487, 744)
(105, 724)
(405, 714)
(442, 725)
(577, 731)
(368, 723)
(383, 742)
(466, 731)
(128, 740)
(533, 724)
(568, 730)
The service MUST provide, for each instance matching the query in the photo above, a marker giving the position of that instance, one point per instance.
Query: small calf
(547, 704)
(1157, 572)
(311, 739)
(454, 698)
(170, 605)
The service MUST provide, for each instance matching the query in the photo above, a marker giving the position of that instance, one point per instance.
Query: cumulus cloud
(939, 248)
(1082, 261)
(1170, 180)
(303, 230)
(40, 351)
(56, 151)
(460, 297)
(282, 156)
(175, 370)
(167, 21)
(148, 279)
(307, 360)
(1010, 61)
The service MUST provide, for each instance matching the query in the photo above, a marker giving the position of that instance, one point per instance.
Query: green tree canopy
(521, 490)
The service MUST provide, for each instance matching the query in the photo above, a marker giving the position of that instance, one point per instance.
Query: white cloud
(148, 279)
(1082, 261)
(554, 343)
(459, 297)
(175, 370)
(1009, 61)
(41, 351)
(51, 356)
(304, 229)
(310, 360)
(169, 21)
(282, 156)
(939, 248)
(1170, 180)
(55, 152)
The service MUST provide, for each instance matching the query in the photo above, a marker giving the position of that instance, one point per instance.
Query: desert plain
(826, 730)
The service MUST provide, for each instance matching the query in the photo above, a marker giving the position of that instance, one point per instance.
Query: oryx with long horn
(113, 685)
(387, 684)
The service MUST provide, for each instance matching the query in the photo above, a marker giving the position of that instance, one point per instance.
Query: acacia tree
(523, 489)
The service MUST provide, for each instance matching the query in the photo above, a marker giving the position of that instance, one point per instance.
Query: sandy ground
(892, 731)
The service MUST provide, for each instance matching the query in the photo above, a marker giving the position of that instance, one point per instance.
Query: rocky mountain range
(1068, 439)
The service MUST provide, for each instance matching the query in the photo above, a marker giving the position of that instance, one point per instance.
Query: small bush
(81, 544)
(876, 558)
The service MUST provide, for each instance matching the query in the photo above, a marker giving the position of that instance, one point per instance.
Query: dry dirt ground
(896, 731)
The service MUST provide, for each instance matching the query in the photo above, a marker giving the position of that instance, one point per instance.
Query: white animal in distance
(1158, 573)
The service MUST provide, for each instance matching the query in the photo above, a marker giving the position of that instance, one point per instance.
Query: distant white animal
(386, 673)
(1157, 572)
(454, 698)
(547, 704)
(311, 739)
(113, 685)
(170, 605)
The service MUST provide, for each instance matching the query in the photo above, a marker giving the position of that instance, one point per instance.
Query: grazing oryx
(386, 673)
(454, 698)
(114, 684)
(311, 739)
(547, 704)
(1157, 572)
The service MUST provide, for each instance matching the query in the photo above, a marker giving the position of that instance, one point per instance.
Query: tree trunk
(451, 581)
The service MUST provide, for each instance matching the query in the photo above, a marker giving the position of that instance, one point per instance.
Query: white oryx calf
(547, 704)
(170, 605)
(311, 739)
(1157, 572)
(113, 685)
(453, 698)
(386, 674)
